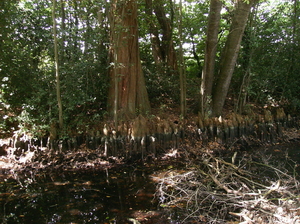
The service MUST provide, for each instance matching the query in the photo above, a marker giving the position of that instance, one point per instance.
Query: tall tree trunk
(154, 37)
(163, 49)
(63, 31)
(127, 93)
(292, 71)
(248, 50)
(210, 54)
(74, 57)
(182, 74)
(167, 45)
(229, 55)
(59, 103)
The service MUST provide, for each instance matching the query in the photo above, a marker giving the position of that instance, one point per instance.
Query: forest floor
(247, 181)
(256, 183)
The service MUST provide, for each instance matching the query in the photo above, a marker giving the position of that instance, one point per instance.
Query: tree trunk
(248, 49)
(210, 54)
(292, 71)
(59, 103)
(154, 37)
(229, 55)
(127, 93)
(163, 49)
(182, 74)
(74, 36)
(63, 31)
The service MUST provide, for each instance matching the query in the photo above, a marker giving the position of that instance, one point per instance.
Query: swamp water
(111, 196)
(117, 195)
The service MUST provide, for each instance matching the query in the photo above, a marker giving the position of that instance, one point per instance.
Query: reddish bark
(126, 71)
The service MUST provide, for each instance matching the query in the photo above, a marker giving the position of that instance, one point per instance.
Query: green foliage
(269, 52)
(276, 56)
(27, 66)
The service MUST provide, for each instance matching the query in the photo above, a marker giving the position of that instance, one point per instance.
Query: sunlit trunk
(127, 93)
(210, 55)
(182, 74)
(229, 55)
(59, 102)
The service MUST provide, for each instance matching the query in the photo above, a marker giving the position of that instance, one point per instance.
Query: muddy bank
(147, 140)
(78, 184)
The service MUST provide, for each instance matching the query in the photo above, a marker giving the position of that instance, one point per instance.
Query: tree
(245, 61)
(210, 54)
(229, 54)
(267, 62)
(275, 61)
(161, 32)
(182, 74)
(57, 74)
(127, 93)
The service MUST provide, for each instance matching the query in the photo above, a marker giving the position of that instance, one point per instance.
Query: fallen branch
(249, 197)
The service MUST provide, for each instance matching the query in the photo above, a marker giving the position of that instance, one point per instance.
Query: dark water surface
(92, 196)
(286, 151)
(109, 196)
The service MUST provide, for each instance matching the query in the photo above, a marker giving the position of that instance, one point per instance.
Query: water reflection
(110, 196)
(119, 195)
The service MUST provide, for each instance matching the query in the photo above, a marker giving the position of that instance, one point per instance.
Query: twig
(244, 216)
(271, 167)
(224, 187)
(204, 201)
(251, 181)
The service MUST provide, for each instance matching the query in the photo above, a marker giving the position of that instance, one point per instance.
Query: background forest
(171, 48)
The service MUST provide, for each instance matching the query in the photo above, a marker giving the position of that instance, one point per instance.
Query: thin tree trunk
(63, 31)
(293, 54)
(210, 54)
(249, 50)
(167, 46)
(182, 74)
(154, 37)
(75, 35)
(59, 102)
(162, 47)
(229, 55)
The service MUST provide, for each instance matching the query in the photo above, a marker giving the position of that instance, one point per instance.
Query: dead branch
(218, 191)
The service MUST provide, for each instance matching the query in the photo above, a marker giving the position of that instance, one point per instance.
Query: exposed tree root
(240, 191)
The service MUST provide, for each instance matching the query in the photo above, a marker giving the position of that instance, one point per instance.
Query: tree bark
(229, 55)
(59, 102)
(162, 48)
(63, 31)
(248, 49)
(182, 74)
(127, 93)
(154, 36)
(210, 54)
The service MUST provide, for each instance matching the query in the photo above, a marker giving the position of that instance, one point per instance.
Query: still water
(108, 196)
(117, 195)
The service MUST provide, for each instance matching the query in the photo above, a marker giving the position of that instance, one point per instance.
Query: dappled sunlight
(120, 194)
(149, 112)
(249, 189)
